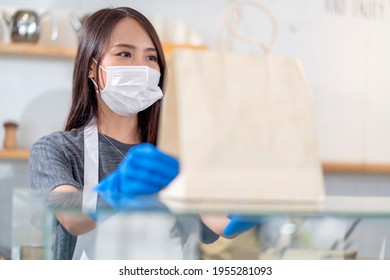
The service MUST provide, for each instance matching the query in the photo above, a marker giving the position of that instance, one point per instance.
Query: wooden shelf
(28, 49)
(169, 48)
(14, 154)
(355, 167)
(335, 167)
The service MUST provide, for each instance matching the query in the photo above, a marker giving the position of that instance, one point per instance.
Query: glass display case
(163, 228)
(31, 227)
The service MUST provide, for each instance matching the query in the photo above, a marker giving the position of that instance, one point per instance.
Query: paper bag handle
(233, 26)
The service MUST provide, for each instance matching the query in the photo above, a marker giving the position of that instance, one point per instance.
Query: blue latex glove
(240, 223)
(144, 171)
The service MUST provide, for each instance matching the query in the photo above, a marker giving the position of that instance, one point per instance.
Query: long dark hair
(94, 38)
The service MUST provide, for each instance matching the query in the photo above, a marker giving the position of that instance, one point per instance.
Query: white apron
(85, 246)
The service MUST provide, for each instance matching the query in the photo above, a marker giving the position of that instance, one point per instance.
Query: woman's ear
(92, 71)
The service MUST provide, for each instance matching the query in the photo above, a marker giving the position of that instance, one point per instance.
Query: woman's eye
(125, 54)
(152, 58)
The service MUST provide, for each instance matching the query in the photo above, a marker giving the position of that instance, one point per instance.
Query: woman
(117, 89)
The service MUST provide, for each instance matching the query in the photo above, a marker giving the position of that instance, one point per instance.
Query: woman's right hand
(145, 170)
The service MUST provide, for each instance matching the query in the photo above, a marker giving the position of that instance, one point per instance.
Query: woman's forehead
(129, 31)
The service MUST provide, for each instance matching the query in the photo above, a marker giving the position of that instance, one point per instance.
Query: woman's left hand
(240, 223)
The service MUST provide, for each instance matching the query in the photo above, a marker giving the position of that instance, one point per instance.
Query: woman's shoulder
(61, 140)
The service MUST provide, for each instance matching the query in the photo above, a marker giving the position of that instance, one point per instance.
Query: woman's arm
(216, 223)
(232, 225)
(75, 222)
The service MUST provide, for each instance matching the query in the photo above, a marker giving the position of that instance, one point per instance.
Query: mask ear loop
(97, 89)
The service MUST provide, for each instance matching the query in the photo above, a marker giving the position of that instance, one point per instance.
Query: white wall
(342, 44)
(34, 87)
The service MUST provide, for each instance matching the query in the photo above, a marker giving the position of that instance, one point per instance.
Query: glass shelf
(335, 228)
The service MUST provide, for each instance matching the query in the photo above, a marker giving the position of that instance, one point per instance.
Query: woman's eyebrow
(132, 47)
(150, 50)
(128, 46)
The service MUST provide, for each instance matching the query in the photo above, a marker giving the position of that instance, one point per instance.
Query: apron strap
(85, 242)
(91, 168)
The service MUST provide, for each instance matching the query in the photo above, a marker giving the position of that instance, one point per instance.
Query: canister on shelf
(10, 142)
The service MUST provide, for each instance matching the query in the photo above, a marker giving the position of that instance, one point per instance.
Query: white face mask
(130, 89)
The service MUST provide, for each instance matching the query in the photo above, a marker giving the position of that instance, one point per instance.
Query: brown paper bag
(242, 127)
